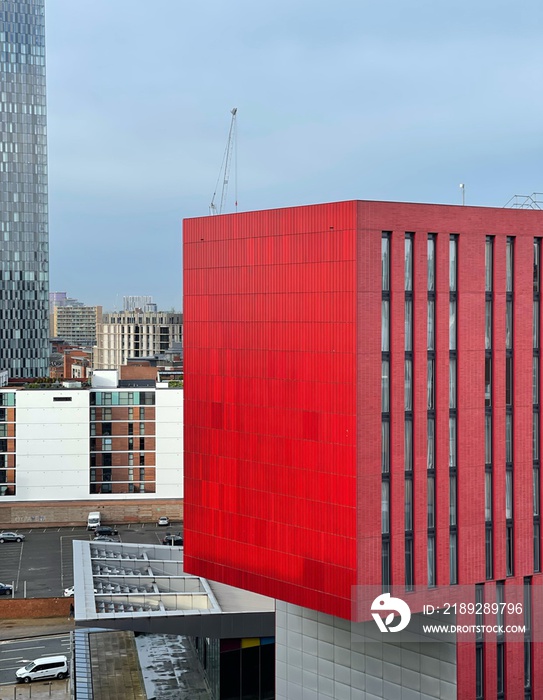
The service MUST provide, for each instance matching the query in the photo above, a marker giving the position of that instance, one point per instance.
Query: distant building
(115, 440)
(24, 263)
(77, 324)
(57, 299)
(131, 303)
(135, 334)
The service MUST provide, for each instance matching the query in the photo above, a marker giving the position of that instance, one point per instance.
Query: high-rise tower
(24, 253)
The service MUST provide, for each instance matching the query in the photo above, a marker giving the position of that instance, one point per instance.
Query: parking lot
(41, 565)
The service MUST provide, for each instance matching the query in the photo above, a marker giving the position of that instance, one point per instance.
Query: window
(430, 385)
(385, 386)
(509, 324)
(385, 447)
(509, 438)
(488, 497)
(452, 383)
(431, 561)
(488, 325)
(452, 264)
(488, 265)
(408, 325)
(131, 428)
(430, 458)
(385, 507)
(452, 324)
(385, 563)
(431, 253)
(537, 547)
(431, 325)
(452, 500)
(537, 264)
(409, 563)
(488, 381)
(385, 262)
(408, 387)
(385, 320)
(488, 439)
(509, 380)
(509, 560)
(488, 553)
(408, 505)
(509, 265)
(106, 444)
(453, 571)
(452, 441)
(535, 381)
(142, 428)
(509, 494)
(408, 456)
(536, 325)
(536, 494)
(142, 443)
(431, 503)
(408, 263)
(536, 437)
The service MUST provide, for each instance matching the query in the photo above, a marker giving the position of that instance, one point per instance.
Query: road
(14, 654)
(41, 566)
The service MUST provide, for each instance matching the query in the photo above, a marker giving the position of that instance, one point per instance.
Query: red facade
(282, 323)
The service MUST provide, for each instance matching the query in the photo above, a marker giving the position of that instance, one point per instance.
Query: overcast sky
(354, 99)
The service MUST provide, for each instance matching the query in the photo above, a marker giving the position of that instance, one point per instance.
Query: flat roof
(144, 588)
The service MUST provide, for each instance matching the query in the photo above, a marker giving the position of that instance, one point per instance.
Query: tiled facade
(362, 409)
(320, 656)
(24, 240)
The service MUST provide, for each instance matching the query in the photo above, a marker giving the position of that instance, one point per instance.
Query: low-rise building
(113, 441)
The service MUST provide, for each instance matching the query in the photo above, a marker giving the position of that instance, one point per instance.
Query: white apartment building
(132, 334)
(113, 441)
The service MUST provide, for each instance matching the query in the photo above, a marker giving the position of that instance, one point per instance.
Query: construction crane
(224, 172)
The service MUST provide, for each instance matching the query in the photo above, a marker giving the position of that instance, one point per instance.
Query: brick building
(362, 415)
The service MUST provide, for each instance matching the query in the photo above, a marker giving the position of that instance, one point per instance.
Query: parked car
(69, 592)
(45, 667)
(11, 537)
(6, 589)
(173, 540)
(163, 520)
(105, 530)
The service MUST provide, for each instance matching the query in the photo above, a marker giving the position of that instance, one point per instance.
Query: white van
(93, 521)
(44, 667)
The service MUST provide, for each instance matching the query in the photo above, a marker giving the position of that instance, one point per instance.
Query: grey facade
(24, 247)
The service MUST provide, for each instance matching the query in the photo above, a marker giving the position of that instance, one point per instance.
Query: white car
(163, 520)
(68, 592)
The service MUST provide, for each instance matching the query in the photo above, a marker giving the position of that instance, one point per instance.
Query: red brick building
(362, 409)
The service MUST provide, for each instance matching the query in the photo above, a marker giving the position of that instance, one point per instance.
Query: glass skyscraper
(24, 246)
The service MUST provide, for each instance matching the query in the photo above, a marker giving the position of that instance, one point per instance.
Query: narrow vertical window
(488, 324)
(488, 381)
(408, 325)
(452, 441)
(408, 445)
(385, 447)
(431, 560)
(430, 385)
(452, 324)
(453, 558)
(431, 250)
(536, 324)
(385, 325)
(509, 381)
(509, 494)
(452, 264)
(488, 264)
(488, 439)
(408, 385)
(509, 324)
(431, 503)
(452, 383)
(535, 381)
(385, 507)
(385, 263)
(488, 497)
(431, 450)
(408, 263)
(431, 325)
(509, 265)
(452, 501)
(385, 386)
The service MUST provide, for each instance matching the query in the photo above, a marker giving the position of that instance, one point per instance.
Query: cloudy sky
(353, 99)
